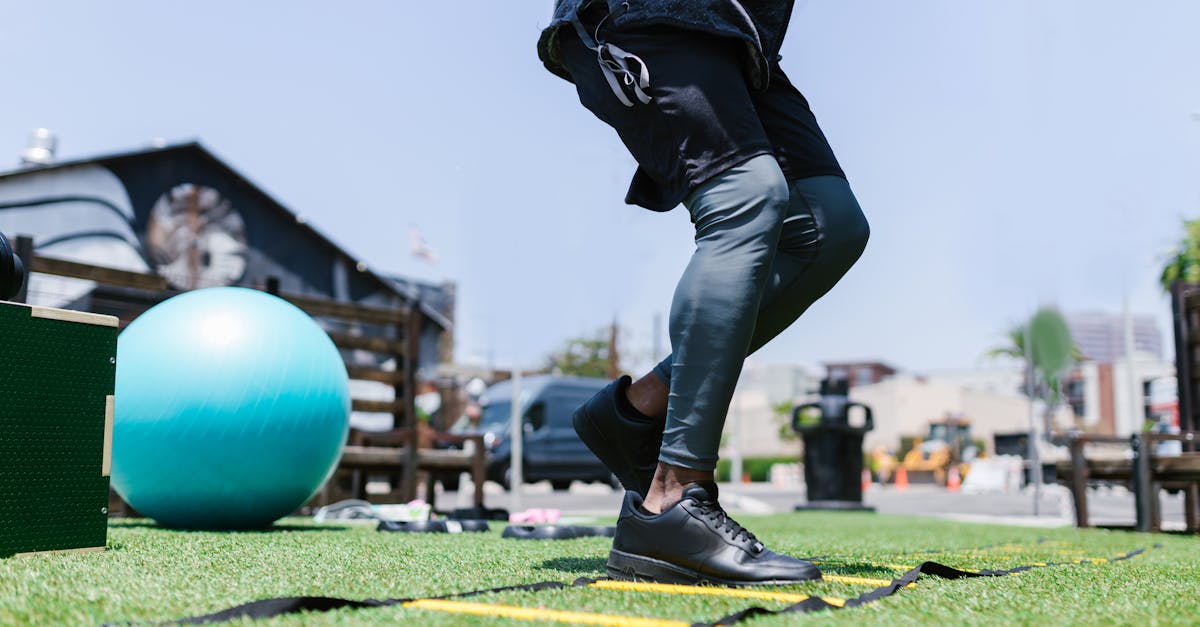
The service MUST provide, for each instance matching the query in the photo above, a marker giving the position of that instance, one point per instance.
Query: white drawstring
(614, 61)
(618, 63)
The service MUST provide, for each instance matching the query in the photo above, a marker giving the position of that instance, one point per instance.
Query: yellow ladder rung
(534, 613)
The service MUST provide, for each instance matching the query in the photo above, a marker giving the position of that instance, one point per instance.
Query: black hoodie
(761, 24)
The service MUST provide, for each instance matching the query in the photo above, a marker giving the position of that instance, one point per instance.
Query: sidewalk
(1109, 506)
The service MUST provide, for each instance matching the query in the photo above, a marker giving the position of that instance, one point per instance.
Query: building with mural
(180, 212)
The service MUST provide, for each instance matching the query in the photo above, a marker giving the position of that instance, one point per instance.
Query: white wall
(904, 405)
(1145, 367)
(751, 413)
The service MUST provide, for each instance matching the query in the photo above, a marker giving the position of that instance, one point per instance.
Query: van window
(536, 416)
(497, 415)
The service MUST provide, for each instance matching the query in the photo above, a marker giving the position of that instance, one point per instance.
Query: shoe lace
(723, 521)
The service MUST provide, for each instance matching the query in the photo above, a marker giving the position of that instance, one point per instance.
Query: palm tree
(1015, 346)
(1184, 262)
(1046, 386)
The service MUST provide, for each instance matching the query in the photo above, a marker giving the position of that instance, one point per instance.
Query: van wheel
(560, 484)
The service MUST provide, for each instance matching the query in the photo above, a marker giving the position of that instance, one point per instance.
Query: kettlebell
(12, 271)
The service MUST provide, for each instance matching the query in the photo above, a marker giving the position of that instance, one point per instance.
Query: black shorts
(704, 118)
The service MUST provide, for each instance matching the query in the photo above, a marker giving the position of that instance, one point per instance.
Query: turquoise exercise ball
(232, 407)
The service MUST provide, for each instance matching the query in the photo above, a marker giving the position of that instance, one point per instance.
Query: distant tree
(583, 356)
(1044, 378)
(782, 413)
(1014, 346)
(1183, 263)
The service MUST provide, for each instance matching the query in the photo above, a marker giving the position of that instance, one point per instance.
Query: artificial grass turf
(153, 574)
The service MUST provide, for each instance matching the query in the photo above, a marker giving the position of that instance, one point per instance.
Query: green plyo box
(57, 377)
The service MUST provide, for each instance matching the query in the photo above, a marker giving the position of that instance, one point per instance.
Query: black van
(551, 449)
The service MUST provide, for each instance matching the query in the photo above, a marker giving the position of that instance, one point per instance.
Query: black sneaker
(695, 542)
(626, 441)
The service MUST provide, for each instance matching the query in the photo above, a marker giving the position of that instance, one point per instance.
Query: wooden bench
(392, 453)
(392, 332)
(1143, 472)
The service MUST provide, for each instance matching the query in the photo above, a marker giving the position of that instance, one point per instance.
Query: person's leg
(738, 216)
(824, 233)
(817, 248)
(701, 135)
(701, 123)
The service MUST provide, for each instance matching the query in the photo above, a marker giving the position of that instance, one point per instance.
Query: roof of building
(406, 289)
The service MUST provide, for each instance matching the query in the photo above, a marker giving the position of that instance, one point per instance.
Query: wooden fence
(392, 333)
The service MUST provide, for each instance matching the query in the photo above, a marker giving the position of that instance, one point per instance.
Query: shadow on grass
(574, 565)
(853, 569)
(149, 524)
(594, 565)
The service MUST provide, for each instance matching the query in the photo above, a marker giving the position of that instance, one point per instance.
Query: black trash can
(833, 456)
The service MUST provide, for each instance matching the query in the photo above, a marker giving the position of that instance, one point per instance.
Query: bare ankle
(648, 395)
(669, 484)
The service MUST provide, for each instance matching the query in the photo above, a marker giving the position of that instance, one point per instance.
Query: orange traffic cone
(901, 479)
(866, 480)
(953, 479)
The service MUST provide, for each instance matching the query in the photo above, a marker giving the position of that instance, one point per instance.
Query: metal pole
(657, 339)
(1184, 363)
(735, 449)
(516, 434)
(1142, 486)
(1035, 458)
(1136, 416)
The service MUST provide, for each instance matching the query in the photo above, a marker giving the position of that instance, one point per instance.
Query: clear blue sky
(1008, 153)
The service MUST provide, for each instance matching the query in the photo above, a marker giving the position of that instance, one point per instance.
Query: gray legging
(766, 249)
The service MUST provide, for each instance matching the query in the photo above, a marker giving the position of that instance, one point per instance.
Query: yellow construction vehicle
(946, 443)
